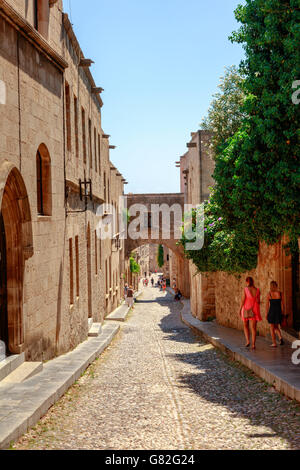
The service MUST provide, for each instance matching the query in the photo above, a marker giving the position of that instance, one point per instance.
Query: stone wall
(69, 274)
(202, 294)
(273, 265)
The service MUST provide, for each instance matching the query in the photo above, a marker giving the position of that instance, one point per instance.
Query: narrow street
(159, 387)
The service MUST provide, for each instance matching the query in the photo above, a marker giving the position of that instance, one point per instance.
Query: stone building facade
(157, 223)
(196, 169)
(143, 259)
(153, 252)
(57, 276)
(219, 295)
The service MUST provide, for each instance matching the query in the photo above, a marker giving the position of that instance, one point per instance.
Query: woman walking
(130, 297)
(250, 311)
(275, 312)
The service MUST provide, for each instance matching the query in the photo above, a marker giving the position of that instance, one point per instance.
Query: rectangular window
(77, 265)
(90, 144)
(68, 116)
(100, 254)
(71, 272)
(110, 273)
(99, 153)
(95, 148)
(76, 126)
(96, 254)
(36, 14)
(83, 134)
(106, 276)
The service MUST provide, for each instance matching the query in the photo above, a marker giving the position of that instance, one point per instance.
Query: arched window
(43, 177)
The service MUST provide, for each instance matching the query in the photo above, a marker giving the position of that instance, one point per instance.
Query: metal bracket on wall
(85, 193)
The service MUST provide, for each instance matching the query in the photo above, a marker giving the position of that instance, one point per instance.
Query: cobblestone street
(159, 387)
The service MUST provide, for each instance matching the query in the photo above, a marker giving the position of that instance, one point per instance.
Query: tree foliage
(265, 155)
(160, 256)
(225, 114)
(134, 266)
(257, 172)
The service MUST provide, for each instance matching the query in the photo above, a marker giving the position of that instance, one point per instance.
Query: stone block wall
(202, 294)
(71, 275)
(273, 265)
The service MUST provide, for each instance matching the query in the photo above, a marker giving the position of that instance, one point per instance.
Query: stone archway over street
(161, 220)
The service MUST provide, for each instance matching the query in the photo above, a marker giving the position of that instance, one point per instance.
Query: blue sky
(159, 62)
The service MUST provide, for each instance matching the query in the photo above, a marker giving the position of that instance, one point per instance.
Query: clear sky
(159, 62)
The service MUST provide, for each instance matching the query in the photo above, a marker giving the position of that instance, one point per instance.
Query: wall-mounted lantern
(85, 190)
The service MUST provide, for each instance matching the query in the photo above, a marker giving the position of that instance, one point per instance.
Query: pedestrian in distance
(125, 291)
(178, 295)
(130, 298)
(250, 311)
(152, 281)
(275, 313)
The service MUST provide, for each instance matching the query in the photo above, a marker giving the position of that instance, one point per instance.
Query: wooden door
(3, 285)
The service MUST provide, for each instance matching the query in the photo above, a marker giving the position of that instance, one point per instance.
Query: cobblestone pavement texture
(160, 387)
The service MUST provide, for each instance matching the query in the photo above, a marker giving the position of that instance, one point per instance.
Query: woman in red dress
(250, 311)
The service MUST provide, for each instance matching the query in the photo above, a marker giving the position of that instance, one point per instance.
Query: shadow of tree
(223, 382)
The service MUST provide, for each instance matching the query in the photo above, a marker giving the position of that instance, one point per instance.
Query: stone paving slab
(95, 330)
(24, 372)
(272, 365)
(10, 364)
(121, 313)
(22, 405)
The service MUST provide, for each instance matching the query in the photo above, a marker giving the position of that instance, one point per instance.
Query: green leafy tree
(225, 114)
(264, 158)
(134, 266)
(257, 173)
(160, 256)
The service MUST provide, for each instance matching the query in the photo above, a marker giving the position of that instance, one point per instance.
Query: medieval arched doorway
(16, 247)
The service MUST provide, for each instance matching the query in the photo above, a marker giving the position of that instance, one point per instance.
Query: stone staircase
(14, 369)
(95, 329)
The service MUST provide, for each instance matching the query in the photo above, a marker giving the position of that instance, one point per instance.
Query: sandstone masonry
(57, 275)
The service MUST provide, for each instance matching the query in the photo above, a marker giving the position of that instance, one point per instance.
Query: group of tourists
(146, 282)
(162, 283)
(250, 312)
